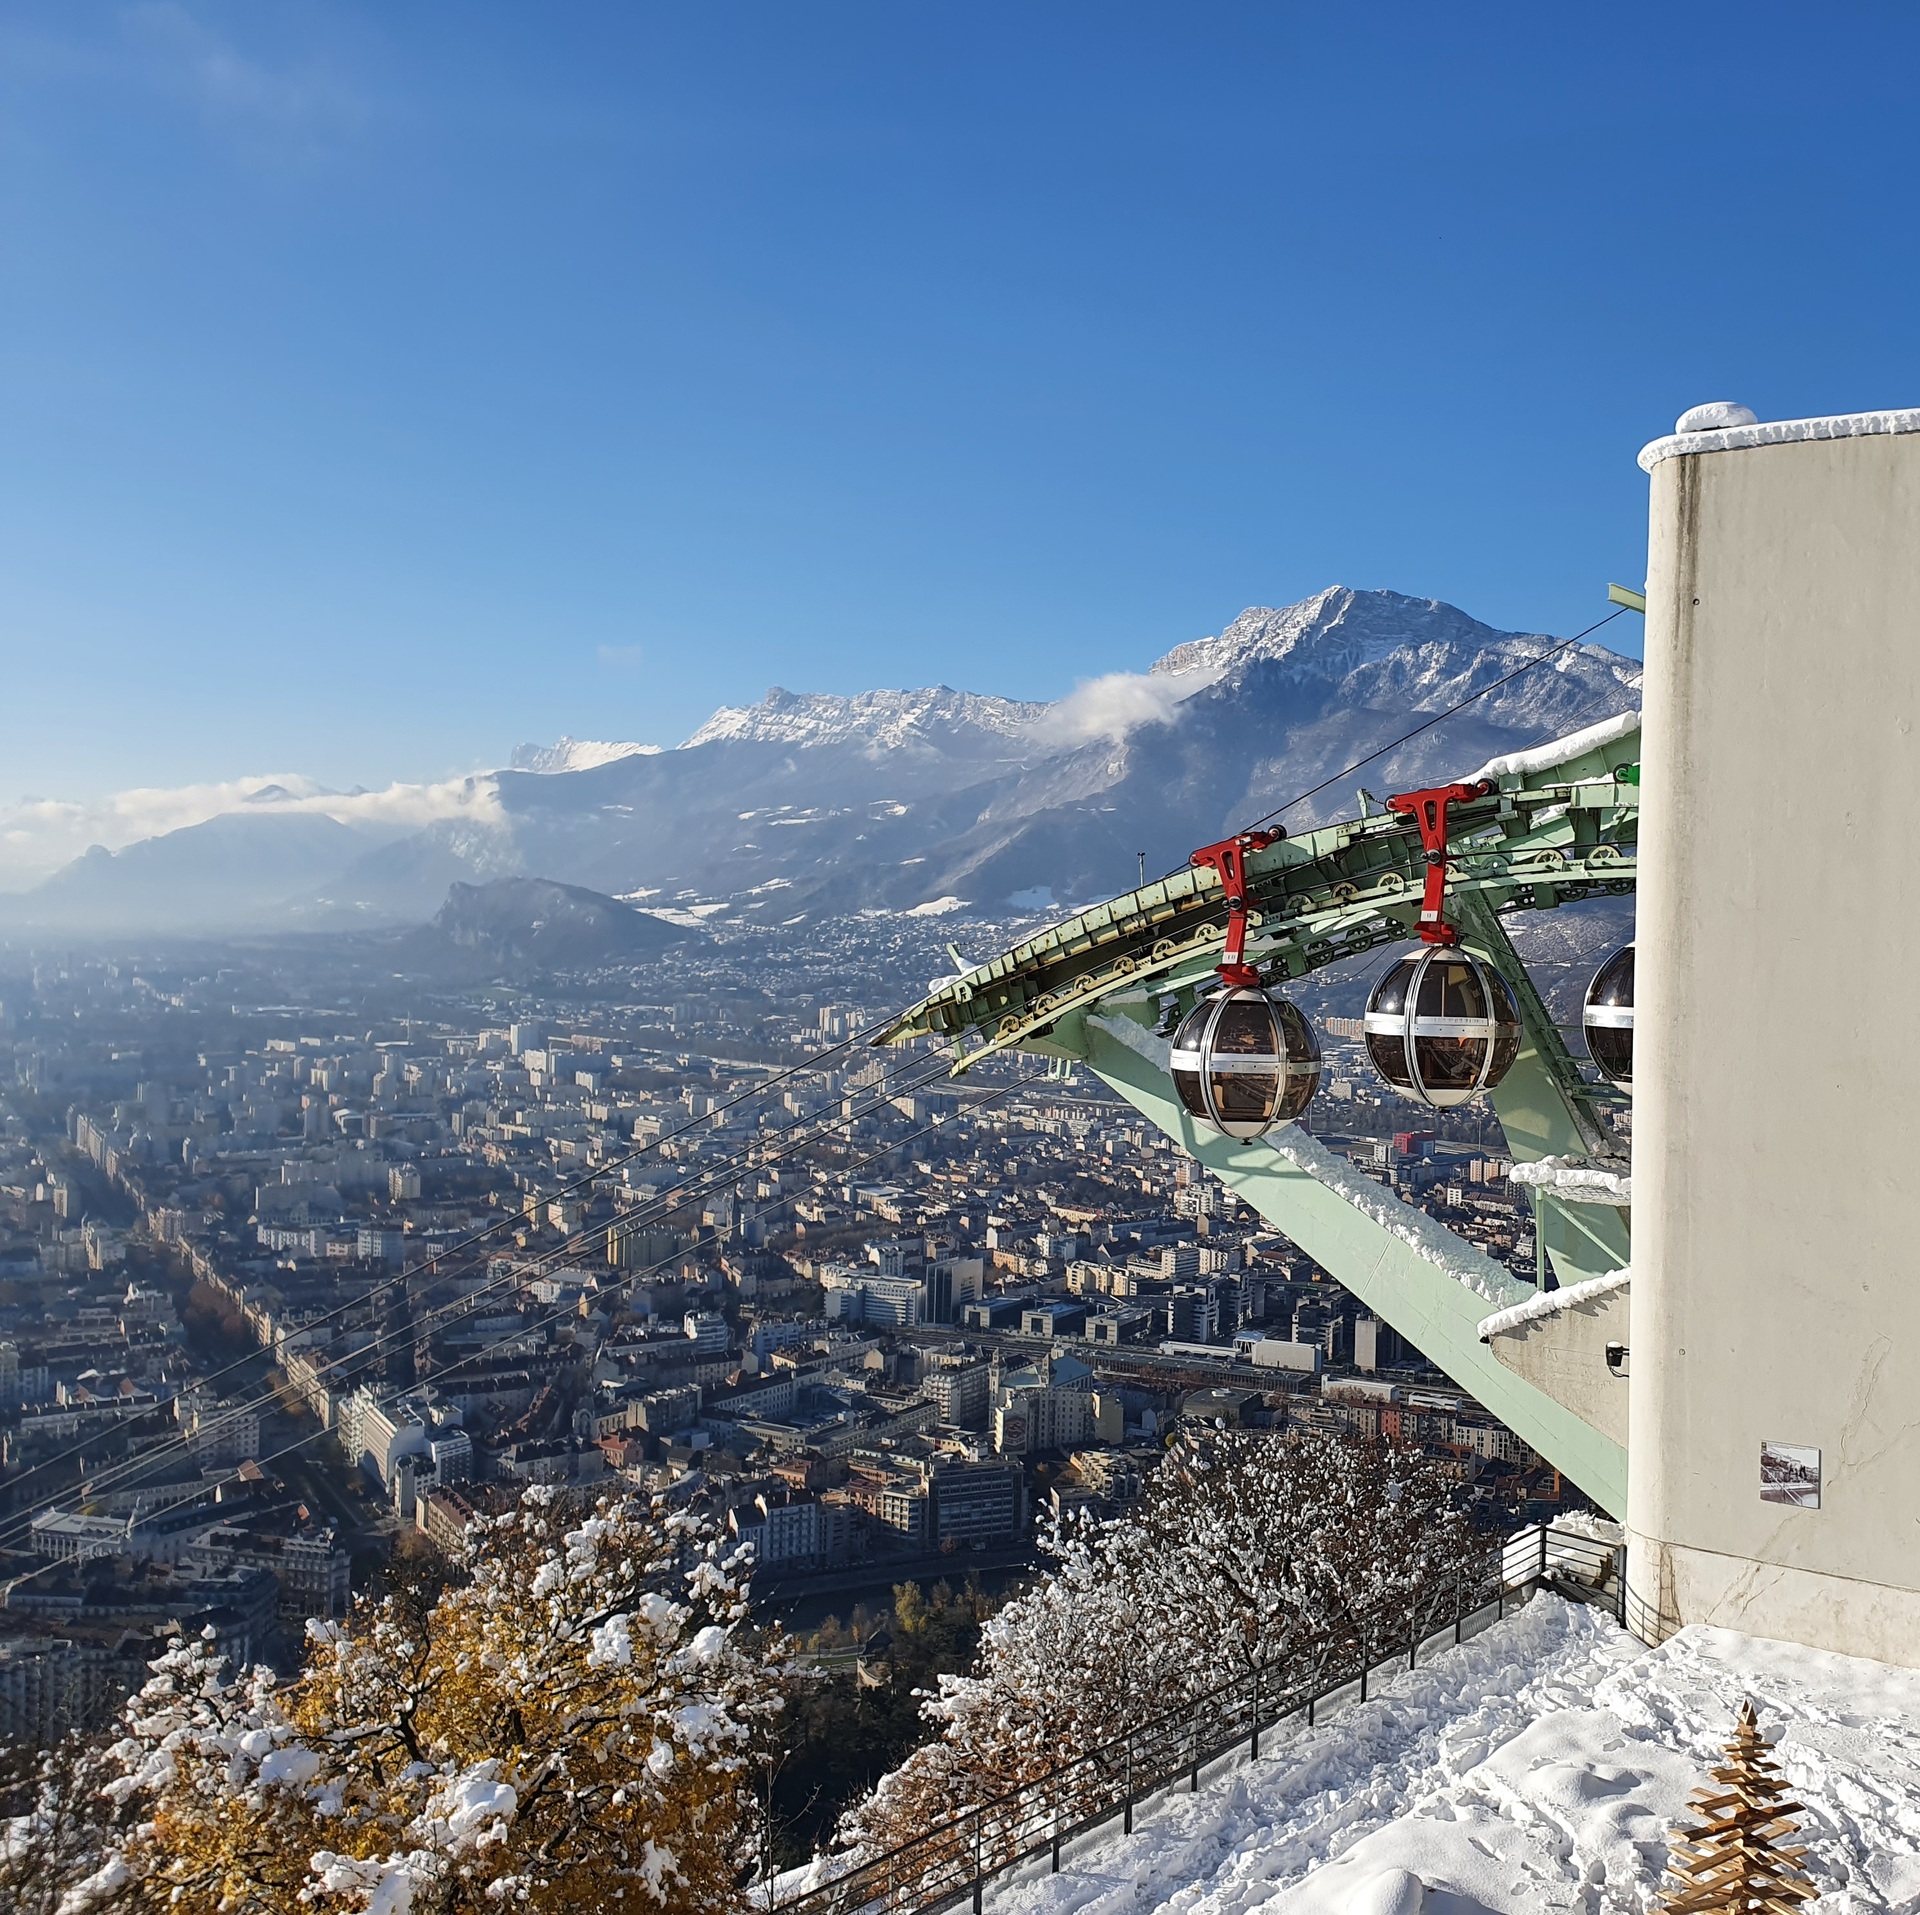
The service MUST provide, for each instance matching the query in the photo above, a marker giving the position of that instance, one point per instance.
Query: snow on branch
(1252, 1557)
(567, 1727)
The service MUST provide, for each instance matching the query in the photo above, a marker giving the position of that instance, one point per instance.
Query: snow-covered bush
(1250, 1558)
(59, 1839)
(566, 1728)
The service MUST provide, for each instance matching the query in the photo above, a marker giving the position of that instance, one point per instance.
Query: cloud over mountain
(1117, 703)
(39, 835)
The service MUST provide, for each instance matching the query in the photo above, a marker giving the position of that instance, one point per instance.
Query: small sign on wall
(1790, 1474)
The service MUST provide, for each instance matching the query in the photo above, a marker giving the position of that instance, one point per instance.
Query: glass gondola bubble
(1244, 1060)
(1441, 1026)
(1608, 1017)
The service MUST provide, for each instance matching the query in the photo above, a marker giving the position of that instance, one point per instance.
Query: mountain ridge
(814, 803)
(519, 927)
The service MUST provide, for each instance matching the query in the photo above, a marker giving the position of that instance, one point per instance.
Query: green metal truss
(1098, 987)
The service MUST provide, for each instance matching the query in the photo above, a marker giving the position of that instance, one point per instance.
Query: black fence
(958, 1855)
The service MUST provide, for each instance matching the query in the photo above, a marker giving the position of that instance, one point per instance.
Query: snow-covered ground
(1537, 1768)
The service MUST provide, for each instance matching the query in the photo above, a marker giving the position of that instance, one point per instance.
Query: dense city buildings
(299, 1256)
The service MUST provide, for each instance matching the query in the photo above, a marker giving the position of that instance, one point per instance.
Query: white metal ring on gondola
(1244, 1059)
(1441, 1026)
(1608, 1017)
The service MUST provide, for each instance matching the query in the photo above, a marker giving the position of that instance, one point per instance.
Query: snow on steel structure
(1108, 987)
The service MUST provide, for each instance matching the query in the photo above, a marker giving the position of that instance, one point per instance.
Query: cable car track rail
(1534, 843)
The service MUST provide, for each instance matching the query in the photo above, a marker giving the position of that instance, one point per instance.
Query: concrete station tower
(1774, 1405)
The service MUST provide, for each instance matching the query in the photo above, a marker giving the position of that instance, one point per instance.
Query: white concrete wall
(1565, 1357)
(1776, 1291)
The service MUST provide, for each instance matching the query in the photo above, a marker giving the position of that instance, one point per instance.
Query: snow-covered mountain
(874, 721)
(573, 754)
(809, 803)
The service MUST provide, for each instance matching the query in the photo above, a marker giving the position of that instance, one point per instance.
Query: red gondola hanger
(1243, 1059)
(1441, 1025)
(1229, 858)
(1428, 810)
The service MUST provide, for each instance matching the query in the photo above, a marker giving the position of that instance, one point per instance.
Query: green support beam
(1538, 840)
(1546, 1109)
(1411, 1272)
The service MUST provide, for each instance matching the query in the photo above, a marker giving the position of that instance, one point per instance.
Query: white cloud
(38, 835)
(298, 105)
(1117, 703)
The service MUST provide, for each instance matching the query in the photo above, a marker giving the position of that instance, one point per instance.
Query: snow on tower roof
(1847, 425)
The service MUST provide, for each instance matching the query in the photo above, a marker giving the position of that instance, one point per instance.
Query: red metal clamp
(1229, 858)
(1428, 810)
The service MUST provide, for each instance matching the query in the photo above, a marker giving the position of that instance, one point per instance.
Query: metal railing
(954, 1859)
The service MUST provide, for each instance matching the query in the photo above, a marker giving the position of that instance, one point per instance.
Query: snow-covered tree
(1251, 1558)
(56, 1831)
(565, 1728)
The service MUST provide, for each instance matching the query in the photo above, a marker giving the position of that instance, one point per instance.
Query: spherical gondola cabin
(1608, 1017)
(1441, 1026)
(1244, 1060)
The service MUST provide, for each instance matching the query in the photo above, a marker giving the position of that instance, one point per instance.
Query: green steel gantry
(1106, 988)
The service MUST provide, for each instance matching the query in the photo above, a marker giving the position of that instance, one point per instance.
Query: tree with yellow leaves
(567, 1727)
(1732, 1860)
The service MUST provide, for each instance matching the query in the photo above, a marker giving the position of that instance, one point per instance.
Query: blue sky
(382, 385)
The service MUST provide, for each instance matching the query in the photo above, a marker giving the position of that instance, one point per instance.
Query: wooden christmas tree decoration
(1732, 1861)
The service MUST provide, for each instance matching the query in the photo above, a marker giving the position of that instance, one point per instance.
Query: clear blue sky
(384, 384)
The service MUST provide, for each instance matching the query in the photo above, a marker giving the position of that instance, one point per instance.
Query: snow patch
(1452, 1256)
(294, 1766)
(1138, 1039)
(936, 908)
(1540, 1766)
(1575, 1181)
(1715, 416)
(880, 720)
(1550, 1303)
(385, 1887)
(575, 754)
(1523, 764)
